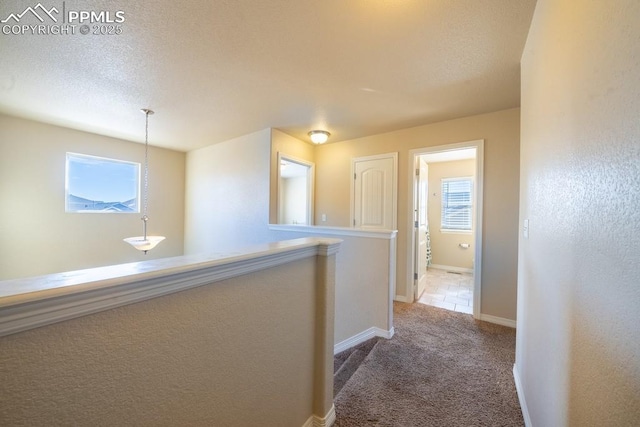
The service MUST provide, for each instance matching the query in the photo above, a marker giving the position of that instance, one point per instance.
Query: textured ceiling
(215, 70)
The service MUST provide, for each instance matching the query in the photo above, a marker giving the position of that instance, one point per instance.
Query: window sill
(447, 231)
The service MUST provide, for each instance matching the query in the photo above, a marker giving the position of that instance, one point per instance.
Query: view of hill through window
(97, 184)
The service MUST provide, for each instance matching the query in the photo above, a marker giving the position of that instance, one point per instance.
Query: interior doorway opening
(445, 245)
(295, 191)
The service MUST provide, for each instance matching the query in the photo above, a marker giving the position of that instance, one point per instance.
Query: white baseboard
(523, 402)
(402, 299)
(362, 337)
(498, 320)
(327, 421)
(452, 268)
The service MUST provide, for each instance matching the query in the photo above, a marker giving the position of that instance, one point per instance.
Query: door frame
(418, 212)
(394, 201)
(311, 172)
(478, 190)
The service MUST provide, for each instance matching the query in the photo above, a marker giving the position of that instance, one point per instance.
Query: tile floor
(452, 291)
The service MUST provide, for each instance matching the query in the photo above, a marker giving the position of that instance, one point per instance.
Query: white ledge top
(24, 290)
(336, 231)
(38, 301)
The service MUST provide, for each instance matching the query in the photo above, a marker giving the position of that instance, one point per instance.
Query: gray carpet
(346, 363)
(441, 368)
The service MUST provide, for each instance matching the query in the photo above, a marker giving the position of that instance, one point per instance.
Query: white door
(374, 192)
(420, 225)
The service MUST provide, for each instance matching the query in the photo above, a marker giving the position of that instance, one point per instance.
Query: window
(456, 204)
(97, 184)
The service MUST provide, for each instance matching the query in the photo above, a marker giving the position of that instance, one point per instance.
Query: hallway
(453, 291)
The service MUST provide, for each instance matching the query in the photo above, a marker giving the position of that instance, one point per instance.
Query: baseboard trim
(402, 299)
(362, 337)
(498, 320)
(452, 268)
(520, 393)
(327, 421)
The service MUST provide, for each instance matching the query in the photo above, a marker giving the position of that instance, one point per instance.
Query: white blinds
(456, 204)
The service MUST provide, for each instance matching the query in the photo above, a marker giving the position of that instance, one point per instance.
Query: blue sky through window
(102, 180)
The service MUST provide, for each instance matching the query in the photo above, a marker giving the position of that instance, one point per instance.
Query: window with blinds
(457, 198)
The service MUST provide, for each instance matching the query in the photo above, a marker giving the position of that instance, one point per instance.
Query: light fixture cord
(146, 175)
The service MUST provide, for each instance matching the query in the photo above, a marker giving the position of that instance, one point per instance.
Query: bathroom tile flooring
(453, 291)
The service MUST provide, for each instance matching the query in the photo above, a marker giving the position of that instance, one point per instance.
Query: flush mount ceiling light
(145, 243)
(319, 136)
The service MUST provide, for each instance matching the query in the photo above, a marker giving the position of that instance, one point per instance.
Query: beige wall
(362, 291)
(242, 352)
(284, 144)
(445, 246)
(578, 340)
(38, 237)
(227, 207)
(293, 209)
(501, 133)
(362, 282)
(227, 194)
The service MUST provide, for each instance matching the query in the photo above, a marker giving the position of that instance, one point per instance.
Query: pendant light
(145, 243)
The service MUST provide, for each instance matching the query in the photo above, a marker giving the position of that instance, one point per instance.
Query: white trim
(520, 393)
(497, 320)
(327, 421)
(392, 281)
(335, 231)
(451, 268)
(479, 182)
(402, 298)
(39, 301)
(326, 248)
(451, 231)
(394, 197)
(362, 337)
(479, 197)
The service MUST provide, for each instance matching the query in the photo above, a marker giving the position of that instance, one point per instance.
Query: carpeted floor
(441, 368)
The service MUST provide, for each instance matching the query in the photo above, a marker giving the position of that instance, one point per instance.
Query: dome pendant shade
(142, 244)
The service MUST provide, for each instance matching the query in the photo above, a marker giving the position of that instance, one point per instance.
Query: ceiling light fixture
(145, 243)
(319, 136)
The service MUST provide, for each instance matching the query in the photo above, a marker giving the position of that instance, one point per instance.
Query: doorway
(295, 191)
(459, 223)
